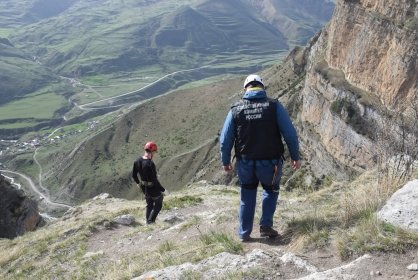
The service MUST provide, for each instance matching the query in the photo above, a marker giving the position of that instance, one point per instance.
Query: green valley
(85, 51)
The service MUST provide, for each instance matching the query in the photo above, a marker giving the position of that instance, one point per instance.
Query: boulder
(402, 208)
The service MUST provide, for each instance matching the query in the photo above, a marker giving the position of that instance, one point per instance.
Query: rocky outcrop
(360, 70)
(18, 213)
(375, 44)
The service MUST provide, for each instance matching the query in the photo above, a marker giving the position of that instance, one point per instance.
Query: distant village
(12, 147)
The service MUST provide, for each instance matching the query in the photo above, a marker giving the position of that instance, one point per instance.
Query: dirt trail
(219, 213)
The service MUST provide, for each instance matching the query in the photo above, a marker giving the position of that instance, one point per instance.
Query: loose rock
(126, 220)
(413, 267)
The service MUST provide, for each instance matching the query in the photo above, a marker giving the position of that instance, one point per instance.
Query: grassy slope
(19, 74)
(179, 122)
(28, 90)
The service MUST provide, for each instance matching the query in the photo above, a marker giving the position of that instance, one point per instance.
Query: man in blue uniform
(255, 127)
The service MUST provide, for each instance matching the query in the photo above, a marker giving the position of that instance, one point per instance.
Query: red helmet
(151, 146)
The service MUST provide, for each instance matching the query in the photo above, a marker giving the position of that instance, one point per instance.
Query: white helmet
(253, 78)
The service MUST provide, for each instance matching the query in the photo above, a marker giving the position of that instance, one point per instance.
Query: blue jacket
(284, 124)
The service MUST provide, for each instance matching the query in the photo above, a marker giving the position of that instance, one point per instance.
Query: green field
(4, 33)
(39, 106)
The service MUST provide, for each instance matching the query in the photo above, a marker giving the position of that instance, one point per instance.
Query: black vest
(256, 132)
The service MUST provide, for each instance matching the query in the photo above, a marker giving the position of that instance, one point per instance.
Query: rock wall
(363, 64)
(346, 145)
(375, 44)
(18, 213)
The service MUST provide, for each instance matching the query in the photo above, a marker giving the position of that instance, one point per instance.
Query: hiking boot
(245, 239)
(268, 232)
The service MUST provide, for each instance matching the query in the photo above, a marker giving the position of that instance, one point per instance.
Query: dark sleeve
(135, 171)
(160, 186)
(155, 179)
(226, 139)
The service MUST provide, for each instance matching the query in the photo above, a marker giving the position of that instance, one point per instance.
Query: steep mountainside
(329, 228)
(111, 38)
(107, 38)
(361, 76)
(298, 20)
(185, 125)
(18, 212)
(19, 74)
(377, 49)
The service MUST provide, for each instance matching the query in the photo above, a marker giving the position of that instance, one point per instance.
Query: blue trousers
(250, 174)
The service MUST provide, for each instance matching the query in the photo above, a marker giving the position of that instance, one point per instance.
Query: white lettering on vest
(253, 117)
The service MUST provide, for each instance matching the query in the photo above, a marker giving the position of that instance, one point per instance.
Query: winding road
(34, 188)
(86, 105)
(40, 172)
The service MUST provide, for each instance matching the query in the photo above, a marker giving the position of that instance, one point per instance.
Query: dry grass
(344, 214)
(372, 235)
(361, 231)
(58, 248)
(360, 200)
(173, 253)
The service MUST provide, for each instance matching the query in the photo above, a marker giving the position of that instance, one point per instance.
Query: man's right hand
(227, 168)
(296, 164)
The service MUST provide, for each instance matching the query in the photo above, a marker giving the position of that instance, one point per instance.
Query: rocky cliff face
(18, 213)
(375, 44)
(362, 67)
